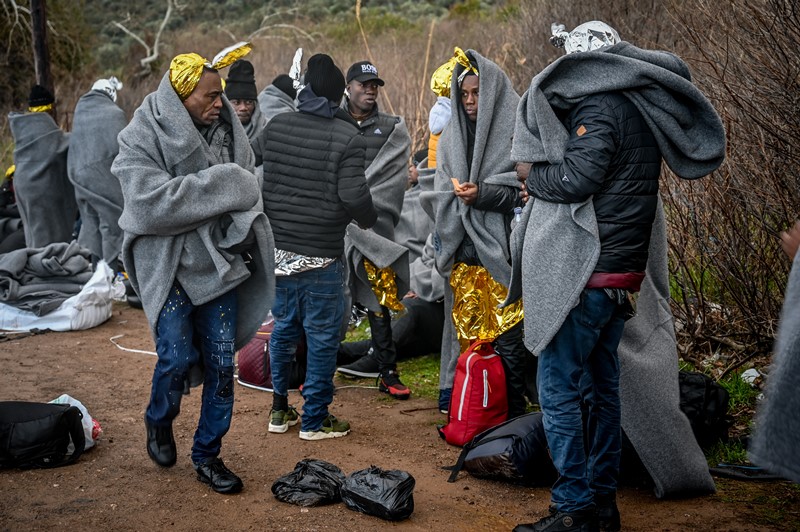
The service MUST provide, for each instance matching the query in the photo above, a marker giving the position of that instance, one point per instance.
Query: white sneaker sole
(355, 373)
(280, 429)
(320, 435)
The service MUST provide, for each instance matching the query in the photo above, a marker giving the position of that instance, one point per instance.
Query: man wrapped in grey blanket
(198, 249)
(557, 246)
(45, 197)
(96, 124)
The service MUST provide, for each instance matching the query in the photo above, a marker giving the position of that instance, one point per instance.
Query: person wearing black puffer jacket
(314, 185)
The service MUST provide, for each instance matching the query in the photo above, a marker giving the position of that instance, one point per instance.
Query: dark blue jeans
(182, 330)
(580, 364)
(311, 301)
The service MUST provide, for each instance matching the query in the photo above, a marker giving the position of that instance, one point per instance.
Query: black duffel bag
(38, 435)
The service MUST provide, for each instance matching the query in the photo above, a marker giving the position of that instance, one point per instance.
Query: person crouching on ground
(198, 250)
(314, 185)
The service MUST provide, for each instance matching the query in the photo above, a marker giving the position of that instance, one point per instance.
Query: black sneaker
(221, 479)
(161, 444)
(607, 513)
(365, 366)
(581, 521)
(389, 382)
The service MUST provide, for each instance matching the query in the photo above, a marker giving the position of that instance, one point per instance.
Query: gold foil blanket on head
(476, 299)
(384, 286)
(185, 70)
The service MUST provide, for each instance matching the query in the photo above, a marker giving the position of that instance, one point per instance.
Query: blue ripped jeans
(182, 329)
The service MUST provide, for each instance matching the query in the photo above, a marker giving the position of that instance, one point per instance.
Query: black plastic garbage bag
(385, 494)
(311, 483)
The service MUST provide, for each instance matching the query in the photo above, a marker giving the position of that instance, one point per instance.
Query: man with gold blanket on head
(198, 249)
(475, 193)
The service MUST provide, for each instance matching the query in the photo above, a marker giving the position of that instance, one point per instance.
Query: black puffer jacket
(376, 130)
(313, 181)
(613, 156)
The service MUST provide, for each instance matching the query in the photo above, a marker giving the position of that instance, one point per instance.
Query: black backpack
(705, 404)
(37, 435)
(514, 451)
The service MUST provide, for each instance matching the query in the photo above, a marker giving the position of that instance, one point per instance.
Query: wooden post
(41, 55)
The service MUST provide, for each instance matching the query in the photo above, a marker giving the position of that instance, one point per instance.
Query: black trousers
(416, 332)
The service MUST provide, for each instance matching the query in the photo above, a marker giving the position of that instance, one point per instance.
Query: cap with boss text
(363, 71)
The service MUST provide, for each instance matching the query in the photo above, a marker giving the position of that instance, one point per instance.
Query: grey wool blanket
(45, 196)
(38, 280)
(273, 101)
(414, 225)
(256, 125)
(184, 213)
(555, 247)
(93, 147)
(386, 176)
(491, 164)
(777, 427)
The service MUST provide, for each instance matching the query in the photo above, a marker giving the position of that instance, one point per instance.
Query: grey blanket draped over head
(777, 425)
(387, 176)
(45, 197)
(38, 280)
(555, 247)
(183, 213)
(93, 147)
(491, 164)
(273, 101)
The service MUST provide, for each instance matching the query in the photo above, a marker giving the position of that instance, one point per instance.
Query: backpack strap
(459, 465)
(73, 416)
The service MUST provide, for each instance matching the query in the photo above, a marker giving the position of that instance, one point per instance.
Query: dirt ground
(115, 486)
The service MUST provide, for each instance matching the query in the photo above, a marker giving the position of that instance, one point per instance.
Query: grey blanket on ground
(777, 425)
(491, 164)
(555, 247)
(93, 147)
(387, 176)
(45, 196)
(38, 280)
(256, 125)
(184, 213)
(273, 101)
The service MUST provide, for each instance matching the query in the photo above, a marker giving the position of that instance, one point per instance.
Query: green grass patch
(741, 392)
(421, 375)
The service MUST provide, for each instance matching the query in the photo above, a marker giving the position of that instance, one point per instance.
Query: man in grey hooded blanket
(556, 248)
(45, 197)
(475, 150)
(777, 426)
(198, 250)
(97, 122)
(278, 97)
(388, 147)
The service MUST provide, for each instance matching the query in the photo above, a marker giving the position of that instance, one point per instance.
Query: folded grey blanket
(777, 425)
(184, 213)
(555, 247)
(93, 147)
(45, 197)
(38, 280)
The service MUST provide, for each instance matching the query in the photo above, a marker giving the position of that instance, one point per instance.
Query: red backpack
(479, 401)
(253, 361)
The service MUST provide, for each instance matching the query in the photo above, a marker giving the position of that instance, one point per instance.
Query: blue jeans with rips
(580, 364)
(310, 302)
(184, 334)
